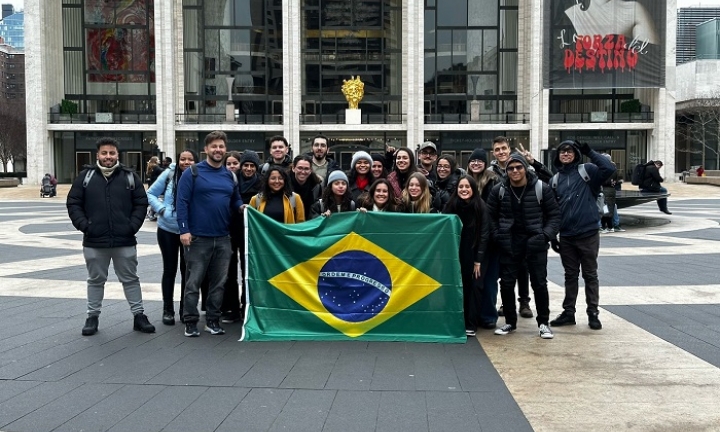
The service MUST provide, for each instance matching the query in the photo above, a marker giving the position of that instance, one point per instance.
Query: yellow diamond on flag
(355, 285)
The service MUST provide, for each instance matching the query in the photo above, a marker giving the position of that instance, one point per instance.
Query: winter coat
(577, 198)
(542, 220)
(165, 209)
(107, 211)
(651, 180)
(292, 216)
(470, 252)
(444, 189)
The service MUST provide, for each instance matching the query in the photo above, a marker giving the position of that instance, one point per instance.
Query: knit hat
(377, 157)
(360, 155)
(480, 154)
(337, 175)
(517, 157)
(565, 144)
(250, 156)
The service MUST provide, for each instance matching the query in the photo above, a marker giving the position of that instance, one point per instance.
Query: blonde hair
(152, 163)
(423, 203)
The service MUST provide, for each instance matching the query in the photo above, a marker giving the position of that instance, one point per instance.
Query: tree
(698, 129)
(13, 139)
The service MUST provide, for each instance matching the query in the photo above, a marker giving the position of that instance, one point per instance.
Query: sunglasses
(515, 168)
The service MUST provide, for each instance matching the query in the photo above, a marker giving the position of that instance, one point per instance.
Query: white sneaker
(610, 230)
(603, 231)
(545, 332)
(507, 328)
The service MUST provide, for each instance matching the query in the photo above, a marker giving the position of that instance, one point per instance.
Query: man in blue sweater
(207, 194)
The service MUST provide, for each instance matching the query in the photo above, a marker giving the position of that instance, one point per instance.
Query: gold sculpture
(354, 90)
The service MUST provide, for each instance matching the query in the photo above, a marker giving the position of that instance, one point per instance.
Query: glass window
(453, 13)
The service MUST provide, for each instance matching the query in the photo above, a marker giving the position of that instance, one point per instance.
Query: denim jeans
(205, 256)
(576, 254)
(124, 259)
(662, 202)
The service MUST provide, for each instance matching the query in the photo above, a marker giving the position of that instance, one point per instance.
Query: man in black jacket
(524, 216)
(651, 183)
(107, 202)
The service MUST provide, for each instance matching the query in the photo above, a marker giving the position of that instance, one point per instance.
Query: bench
(9, 182)
(629, 198)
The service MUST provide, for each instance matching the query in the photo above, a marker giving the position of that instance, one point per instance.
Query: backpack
(538, 191)
(638, 174)
(599, 196)
(130, 178)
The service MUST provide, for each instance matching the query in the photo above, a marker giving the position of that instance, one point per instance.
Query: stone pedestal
(230, 112)
(353, 116)
(475, 111)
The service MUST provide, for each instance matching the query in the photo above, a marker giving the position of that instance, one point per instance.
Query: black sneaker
(231, 317)
(525, 310)
(565, 318)
(142, 324)
(91, 326)
(213, 327)
(594, 322)
(470, 333)
(506, 329)
(191, 329)
(168, 318)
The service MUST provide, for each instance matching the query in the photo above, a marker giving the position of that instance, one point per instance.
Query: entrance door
(82, 159)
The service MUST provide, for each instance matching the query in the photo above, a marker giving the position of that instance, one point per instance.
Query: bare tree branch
(13, 139)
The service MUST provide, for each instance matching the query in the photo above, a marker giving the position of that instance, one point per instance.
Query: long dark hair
(413, 163)
(476, 203)
(178, 173)
(287, 188)
(369, 200)
(328, 198)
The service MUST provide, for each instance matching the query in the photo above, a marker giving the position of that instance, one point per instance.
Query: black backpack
(638, 174)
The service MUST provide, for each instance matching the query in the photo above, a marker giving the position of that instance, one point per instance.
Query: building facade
(158, 76)
(12, 30)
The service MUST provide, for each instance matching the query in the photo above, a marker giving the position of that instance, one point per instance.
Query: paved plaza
(655, 366)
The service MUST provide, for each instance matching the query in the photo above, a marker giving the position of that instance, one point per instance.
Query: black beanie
(250, 156)
(377, 157)
(479, 153)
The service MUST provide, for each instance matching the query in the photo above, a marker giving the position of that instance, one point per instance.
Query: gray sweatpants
(125, 263)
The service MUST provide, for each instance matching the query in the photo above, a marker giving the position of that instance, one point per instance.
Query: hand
(242, 208)
(555, 244)
(326, 213)
(390, 149)
(185, 239)
(362, 210)
(526, 154)
(476, 270)
(585, 149)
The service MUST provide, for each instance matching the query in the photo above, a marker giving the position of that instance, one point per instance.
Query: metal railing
(507, 118)
(103, 118)
(270, 119)
(617, 117)
(365, 118)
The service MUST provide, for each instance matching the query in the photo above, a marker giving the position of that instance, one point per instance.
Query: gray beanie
(337, 175)
(250, 156)
(361, 155)
(519, 158)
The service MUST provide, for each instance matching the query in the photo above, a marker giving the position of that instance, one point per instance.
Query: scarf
(107, 172)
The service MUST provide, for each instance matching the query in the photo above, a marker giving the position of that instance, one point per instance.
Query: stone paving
(654, 366)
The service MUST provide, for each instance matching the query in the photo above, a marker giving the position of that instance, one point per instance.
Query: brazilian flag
(369, 276)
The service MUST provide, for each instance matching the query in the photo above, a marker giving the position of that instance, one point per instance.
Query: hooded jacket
(107, 211)
(576, 197)
(542, 219)
(165, 209)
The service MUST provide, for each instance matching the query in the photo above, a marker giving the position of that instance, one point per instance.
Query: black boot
(91, 326)
(663, 206)
(142, 324)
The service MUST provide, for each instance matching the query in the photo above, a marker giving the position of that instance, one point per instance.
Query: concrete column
(538, 99)
(292, 72)
(165, 75)
(413, 61)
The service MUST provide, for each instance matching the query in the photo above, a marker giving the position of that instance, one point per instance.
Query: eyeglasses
(515, 168)
(425, 152)
(566, 151)
(476, 161)
(443, 167)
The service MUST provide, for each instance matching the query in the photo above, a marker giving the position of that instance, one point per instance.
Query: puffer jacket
(107, 211)
(577, 198)
(652, 179)
(445, 188)
(165, 186)
(542, 219)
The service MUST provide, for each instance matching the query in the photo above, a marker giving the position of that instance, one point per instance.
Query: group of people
(511, 210)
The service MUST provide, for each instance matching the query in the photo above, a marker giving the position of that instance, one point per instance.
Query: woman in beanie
(477, 168)
(378, 166)
(404, 166)
(168, 232)
(336, 196)
(467, 204)
(380, 198)
(486, 179)
(447, 176)
(416, 197)
(360, 177)
(277, 200)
